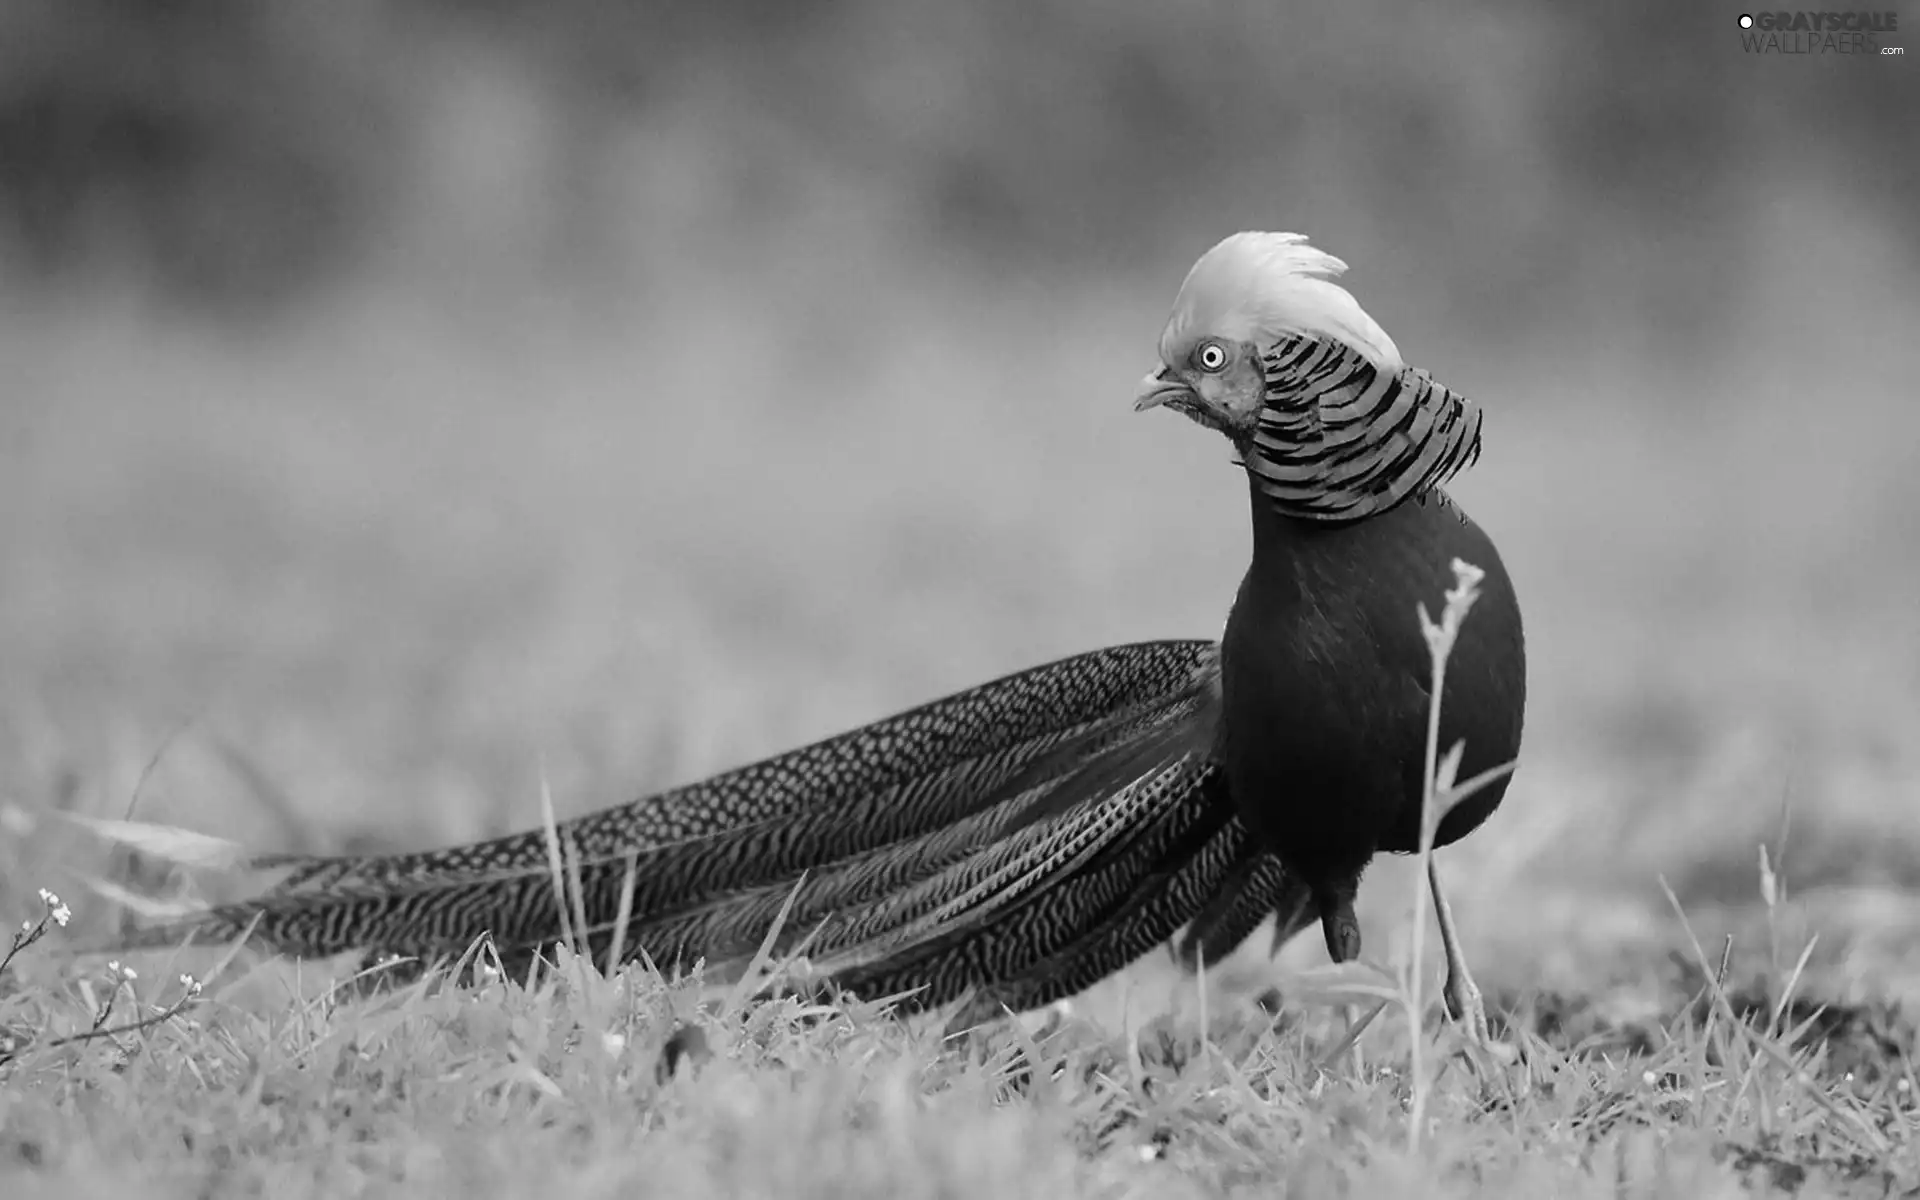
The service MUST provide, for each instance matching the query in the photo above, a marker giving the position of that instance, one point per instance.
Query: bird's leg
(1341, 926)
(1462, 995)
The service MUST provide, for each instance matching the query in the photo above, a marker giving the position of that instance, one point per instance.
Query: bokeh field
(741, 442)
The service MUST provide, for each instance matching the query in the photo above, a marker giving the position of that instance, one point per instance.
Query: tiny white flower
(61, 915)
(1649, 1078)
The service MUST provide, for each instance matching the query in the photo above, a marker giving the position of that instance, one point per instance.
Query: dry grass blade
(616, 953)
(556, 865)
(750, 982)
(180, 847)
(1354, 1031)
(156, 758)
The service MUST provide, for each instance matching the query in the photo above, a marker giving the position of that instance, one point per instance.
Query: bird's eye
(1210, 357)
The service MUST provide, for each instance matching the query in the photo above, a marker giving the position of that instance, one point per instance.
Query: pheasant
(1016, 842)
(1324, 675)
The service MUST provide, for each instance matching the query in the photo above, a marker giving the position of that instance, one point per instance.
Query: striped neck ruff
(1340, 438)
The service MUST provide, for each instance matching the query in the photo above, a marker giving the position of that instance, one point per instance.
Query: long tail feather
(941, 782)
(1017, 841)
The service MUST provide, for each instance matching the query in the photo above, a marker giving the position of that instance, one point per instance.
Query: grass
(560, 1082)
(380, 577)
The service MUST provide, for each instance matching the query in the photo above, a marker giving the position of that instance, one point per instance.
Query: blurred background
(403, 403)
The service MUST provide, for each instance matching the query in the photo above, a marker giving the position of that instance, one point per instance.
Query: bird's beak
(1158, 388)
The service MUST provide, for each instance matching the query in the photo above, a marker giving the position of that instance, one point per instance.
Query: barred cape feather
(1341, 438)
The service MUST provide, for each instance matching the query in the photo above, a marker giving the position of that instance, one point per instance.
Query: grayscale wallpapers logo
(1862, 33)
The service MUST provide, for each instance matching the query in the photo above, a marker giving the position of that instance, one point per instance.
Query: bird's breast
(1325, 673)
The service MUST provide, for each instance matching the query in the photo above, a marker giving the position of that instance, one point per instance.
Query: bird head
(1242, 297)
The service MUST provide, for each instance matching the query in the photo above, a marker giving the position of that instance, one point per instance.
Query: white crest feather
(1258, 287)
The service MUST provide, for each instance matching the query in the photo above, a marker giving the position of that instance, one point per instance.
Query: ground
(367, 576)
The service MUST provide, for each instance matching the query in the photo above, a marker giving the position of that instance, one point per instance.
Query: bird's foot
(1468, 1008)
